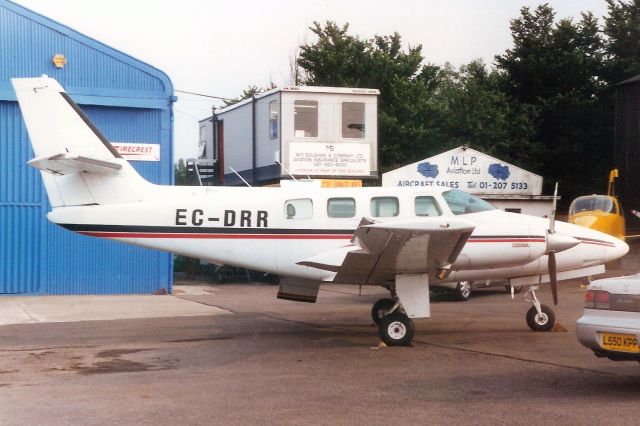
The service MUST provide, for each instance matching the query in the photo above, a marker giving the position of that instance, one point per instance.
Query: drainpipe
(253, 140)
(215, 148)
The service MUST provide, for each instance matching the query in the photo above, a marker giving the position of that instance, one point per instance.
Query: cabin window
(301, 208)
(341, 207)
(603, 203)
(274, 110)
(384, 207)
(353, 120)
(305, 121)
(427, 206)
(462, 203)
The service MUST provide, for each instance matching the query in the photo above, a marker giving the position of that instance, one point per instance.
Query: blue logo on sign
(499, 171)
(428, 170)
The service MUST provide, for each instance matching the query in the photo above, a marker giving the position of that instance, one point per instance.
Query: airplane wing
(382, 250)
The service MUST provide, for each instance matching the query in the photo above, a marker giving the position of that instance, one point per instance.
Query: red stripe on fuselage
(507, 240)
(218, 236)
(595, 243)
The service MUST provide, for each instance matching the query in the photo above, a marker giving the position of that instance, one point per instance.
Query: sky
(220, 48)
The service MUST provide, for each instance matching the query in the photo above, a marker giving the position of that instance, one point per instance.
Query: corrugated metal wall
(129, 101)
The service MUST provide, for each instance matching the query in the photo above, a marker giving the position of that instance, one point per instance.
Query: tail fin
(79, 166)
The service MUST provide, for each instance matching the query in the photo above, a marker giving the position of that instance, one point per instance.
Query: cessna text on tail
(403, 239)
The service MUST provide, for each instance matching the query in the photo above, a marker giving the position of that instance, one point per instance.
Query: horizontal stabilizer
(66, 164)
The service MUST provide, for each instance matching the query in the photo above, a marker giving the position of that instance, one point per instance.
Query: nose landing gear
(539, 317)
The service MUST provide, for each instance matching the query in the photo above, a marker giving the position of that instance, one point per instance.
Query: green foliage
(480, 114)
(423, 109)
(405, 114)
(546, 105)
(247, 93)
(180, 173)
(622, 28)
(556, 70)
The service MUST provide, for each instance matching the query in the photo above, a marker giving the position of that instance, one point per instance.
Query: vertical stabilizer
(79, 166)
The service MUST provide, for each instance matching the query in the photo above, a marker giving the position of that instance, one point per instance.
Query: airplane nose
(619, 249)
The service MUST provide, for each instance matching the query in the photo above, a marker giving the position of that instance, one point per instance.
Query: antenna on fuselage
(241, 178)
(286, 170)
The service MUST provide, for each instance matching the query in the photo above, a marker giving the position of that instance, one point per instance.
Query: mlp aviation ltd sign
(468, 170)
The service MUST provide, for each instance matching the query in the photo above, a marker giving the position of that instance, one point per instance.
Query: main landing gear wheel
(543, 321)
(396, 330)
(380, 309)
(463, 291)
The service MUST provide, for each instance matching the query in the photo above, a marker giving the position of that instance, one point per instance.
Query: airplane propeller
(553, 276)
(555, 244)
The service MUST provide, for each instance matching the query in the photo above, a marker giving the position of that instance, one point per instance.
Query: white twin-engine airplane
(401, 239)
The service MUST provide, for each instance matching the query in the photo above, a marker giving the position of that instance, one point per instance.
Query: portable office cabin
(320, 132)
(130, 102)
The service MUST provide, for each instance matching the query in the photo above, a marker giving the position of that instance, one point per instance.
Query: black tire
(396, 330)
(380, 309)
(543, 322)
(463, 291)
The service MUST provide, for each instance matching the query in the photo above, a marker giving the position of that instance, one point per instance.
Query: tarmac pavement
(235, 355)
(43, 309)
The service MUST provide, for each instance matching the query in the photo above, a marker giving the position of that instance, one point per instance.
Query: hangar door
(22, 214)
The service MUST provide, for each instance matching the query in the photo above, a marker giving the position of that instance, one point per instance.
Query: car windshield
(462, 203)
(603, 203)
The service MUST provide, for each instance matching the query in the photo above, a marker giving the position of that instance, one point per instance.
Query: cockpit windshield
(462, 203)
(603, 203)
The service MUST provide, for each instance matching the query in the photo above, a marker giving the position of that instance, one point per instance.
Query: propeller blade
(552, 217)
(553, 277)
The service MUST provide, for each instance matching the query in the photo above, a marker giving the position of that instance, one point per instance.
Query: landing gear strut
(539, 317)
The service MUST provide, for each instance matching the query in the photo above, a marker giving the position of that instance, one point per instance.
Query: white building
(317, 132)
(504, 185)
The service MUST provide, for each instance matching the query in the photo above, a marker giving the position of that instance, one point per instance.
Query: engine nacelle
(512, 245)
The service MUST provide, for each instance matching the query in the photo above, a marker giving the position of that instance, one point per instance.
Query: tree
(181, 174)
(407, 118)
(247, 93)
(423, 109)
(556, 69)
(481, 115)
(622, 28)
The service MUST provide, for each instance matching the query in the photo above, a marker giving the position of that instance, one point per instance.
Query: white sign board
(468, 170)
(138, 151)
(329, 159)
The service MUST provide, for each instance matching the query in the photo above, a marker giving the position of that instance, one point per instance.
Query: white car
(610, 326)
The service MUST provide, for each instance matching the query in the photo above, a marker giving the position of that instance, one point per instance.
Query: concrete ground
(43, 309)
(234, 354)
(280, 362)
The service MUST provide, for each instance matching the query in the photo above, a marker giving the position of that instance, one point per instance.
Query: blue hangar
(130, 102)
